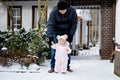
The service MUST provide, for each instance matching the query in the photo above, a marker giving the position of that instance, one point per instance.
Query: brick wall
(107, 28)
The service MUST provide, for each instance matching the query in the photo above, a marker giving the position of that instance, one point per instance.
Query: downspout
(113, 27)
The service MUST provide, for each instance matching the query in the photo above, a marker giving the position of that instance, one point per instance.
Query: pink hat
(62, 36)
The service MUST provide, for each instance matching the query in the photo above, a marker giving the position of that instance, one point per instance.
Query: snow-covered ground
(87, 66)
(83, 70)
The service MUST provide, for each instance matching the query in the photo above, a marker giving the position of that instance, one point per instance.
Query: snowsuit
(61, 57)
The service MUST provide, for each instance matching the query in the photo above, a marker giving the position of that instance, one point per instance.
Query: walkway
(87, 66)
(83, 70)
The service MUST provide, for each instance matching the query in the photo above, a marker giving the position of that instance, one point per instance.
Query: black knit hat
(62, 5)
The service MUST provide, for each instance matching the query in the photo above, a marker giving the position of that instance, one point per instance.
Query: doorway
(87, 39)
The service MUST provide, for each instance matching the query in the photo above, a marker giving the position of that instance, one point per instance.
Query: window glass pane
(18, 20)
(15, 26)
(14, 12)
(14, 20)
(36, 18)
(18, 12)
(18, 26)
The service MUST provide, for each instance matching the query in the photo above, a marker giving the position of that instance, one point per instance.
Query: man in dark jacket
(62, 20)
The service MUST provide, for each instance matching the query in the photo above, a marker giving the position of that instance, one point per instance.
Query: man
(62, 20)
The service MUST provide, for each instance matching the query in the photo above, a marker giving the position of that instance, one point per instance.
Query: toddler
(61, 56)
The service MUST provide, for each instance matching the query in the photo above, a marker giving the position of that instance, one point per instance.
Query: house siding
(3, 17)
(26, 13)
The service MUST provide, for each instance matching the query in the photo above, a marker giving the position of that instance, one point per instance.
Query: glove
(70, 38)
(50, 41)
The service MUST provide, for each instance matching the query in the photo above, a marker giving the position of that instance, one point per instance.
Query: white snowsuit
(61, 56)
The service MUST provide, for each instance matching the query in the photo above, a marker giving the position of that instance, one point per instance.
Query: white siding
(117, 29)
(26, 13)
(3, 17)
(50, 7)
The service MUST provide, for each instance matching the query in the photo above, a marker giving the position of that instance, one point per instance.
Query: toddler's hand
(67, 50)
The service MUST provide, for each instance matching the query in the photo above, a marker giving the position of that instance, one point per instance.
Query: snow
(83, 70)
(86, 66)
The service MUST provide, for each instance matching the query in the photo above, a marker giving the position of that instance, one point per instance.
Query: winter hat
(62, 37)
(62, 5)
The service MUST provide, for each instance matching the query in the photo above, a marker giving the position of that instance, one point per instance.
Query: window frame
(33, 13)
(8, 16)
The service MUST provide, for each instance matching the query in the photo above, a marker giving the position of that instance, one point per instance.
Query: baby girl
(61, 56)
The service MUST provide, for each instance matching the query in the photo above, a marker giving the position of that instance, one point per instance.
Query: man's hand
(67, 50)
(70, 38)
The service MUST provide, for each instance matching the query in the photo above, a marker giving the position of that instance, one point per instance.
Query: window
(36, 17)
(17, 17)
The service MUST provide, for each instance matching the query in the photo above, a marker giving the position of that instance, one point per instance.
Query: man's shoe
(51, 71)
(70, 70)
